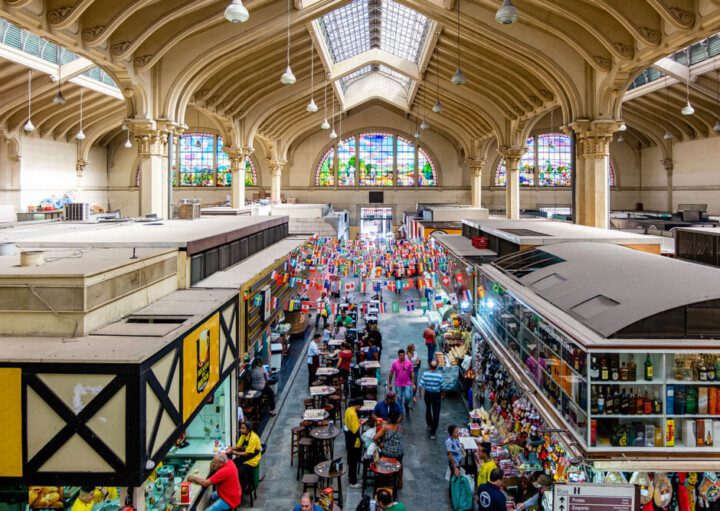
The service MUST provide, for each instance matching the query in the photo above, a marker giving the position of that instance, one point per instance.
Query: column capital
(276, 166)
(80, 165)
(512, 156)
(669, 165)
(592, 138)
(476, 166)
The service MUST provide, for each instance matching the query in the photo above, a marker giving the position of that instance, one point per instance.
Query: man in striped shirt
(432, 383)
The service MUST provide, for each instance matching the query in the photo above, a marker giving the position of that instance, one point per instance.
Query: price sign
(594, 497)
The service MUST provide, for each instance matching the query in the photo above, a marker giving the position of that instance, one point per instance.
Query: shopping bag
(461, 493)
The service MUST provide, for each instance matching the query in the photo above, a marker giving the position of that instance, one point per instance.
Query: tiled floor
(425, 487)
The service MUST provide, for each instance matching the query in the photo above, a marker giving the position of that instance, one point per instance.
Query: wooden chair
(297, 433)
(310, 481)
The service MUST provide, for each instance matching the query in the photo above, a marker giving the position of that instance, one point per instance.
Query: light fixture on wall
(59, 99)
(236, 12)
(716, 128)
(288, 78)
(507, 14)
(325, 125)
(667, 135)
(80, 135)
(333, 135)
(437, 107)
(29, 127)
(459, 77)
(312, 107)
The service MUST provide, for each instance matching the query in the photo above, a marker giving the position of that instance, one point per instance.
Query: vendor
(85, 500)
(533, 501)
(227, 494)
(487, 464)
(247, 452)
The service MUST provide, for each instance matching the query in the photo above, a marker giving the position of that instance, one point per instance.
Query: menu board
(594, 497)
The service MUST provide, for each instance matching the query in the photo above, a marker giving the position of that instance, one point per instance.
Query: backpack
(461, 493)
(393, 445)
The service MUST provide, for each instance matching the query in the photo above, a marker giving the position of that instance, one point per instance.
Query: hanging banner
(201, 364)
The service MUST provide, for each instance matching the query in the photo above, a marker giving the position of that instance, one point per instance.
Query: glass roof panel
(404, 31)
(403, 80)
(399, 77)
(347, 30)
(345, 81)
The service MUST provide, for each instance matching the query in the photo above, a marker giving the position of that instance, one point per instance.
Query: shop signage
(201, 363)
(594, 497)
(266, 291)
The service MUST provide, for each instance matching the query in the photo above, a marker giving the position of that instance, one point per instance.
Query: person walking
(313, 358)
(404, 375)
(490, 494)
(432, 382)
(430, 341)
(414, 359)
(323, 311)
(351, 427)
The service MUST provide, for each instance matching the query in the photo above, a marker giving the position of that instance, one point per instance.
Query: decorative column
(237, 169)
(80, 165)
(151, 141)
(276, 168)
(476, 167)
(669, 167)
(512, 156)
(592, 150)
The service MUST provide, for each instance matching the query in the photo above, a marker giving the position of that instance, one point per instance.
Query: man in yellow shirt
(352, 440)
(247, 452)
(103, 493)
(84, 501)
(487, 464)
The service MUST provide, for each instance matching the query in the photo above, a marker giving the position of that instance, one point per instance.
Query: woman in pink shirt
(402, 371)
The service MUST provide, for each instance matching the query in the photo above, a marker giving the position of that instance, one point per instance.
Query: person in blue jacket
(490, 495)
(306, 504)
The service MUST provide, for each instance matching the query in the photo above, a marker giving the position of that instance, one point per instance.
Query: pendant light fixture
(437, 107)
(620, 138)
(288, 78)
(417, 130)
(667, 135)
(128, 144)
(424, 124)
(333, 135)
(507, 14)
(81, 134)
(688, 108)
(459, 77)
(312, 107)
(198, 144)
(551, 145)
(325, 125)
(29, 127)
(236, 12)
(622, 127)
(59, 99)
(716, 128)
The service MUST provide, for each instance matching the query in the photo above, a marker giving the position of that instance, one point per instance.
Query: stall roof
(609, 287)
(236, 276)
(192, 235)
(131, 343)
(711, 231)
(461, 246)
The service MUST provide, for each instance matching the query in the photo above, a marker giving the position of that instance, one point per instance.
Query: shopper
(387, 503)
(454, 450)
(248, 452)
(383, 408)
(227, 494)
(432, 382)
(323, 306)
(535, 501)
(352, 440)
(374, 333)
(260, 381)
(313, 358)
(327, 334)
(306, 504)
(490, 494)
(402, 371)
(487, 464)
(414, 359)
(430, 342)
(390, 438)
(343, 364)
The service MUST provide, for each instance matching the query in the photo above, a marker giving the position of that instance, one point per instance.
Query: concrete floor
(425, 487)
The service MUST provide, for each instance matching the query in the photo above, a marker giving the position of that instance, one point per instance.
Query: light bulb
(333, 135)
(458, 78)
(507, 13)
(288, 78)
(437, 107)
(424, 124)
(325, 124)
(236, 12)
(80, 135)
(622, 127)
(687, 109)
(59, 99)
(29, 126)
(312, 107)
(621, 138)
(417, 134)
(716, 128)
(668, 135)
(128, 144)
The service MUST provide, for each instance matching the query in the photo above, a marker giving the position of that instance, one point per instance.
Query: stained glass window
(224, 174)
(611, 174)
(196, 159)
(347, 164)
(554, 159)
(376, 159)
(405, 162)
(526, 171)
(427, 175)
(325, 173)
(250, 173)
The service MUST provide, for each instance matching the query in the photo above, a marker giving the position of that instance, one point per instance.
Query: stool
(310, 481)
(335, 401)
(332, 412)
(305, 456)
(309, 403)
(297, 433)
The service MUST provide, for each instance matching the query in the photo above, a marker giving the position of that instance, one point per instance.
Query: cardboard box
(670, 433)
(702, 401)
(689, 437)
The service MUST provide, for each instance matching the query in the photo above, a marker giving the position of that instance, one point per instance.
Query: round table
(326, 440)
(323, 471)
(320, 396)
(387, 469)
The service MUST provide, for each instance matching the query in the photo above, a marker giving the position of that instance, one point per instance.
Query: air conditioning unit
(77, 211)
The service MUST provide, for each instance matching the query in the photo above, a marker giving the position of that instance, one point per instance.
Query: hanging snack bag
(663, 489)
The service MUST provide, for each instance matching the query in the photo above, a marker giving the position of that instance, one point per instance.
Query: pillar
(151, 142)
(237, 168)
(276, 168)
(476, 166)
(669, 167)
(512, 156)
(592, 150)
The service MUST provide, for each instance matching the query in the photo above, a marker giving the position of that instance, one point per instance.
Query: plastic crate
(479, 241)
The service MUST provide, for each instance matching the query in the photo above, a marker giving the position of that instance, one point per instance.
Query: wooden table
(314, 414)
(327, 371)
(386, 469)
(320, 392)
(323, 471)
(326, 439)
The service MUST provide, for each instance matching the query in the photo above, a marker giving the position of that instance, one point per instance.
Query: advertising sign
(201, 363)
(267, 302)
(594, 497)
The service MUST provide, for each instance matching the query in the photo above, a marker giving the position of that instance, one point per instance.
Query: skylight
(366, 24)
(403, 80)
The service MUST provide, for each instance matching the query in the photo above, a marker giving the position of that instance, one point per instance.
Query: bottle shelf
(627, 382)
(693, 382)
(614, 416)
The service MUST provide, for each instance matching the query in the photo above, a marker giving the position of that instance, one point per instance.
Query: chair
(309, 403)
(310, 481)
(332, 412)
(297, 433)
(305, 456)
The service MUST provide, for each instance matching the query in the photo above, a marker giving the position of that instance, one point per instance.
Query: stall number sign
(594, 497)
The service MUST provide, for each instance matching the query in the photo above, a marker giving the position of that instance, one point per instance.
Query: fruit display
(45, 497)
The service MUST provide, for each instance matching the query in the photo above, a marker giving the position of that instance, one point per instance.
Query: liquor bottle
(604, 372)
(691, 403)
(601, 402)
(647, 405)
(710, 371)
(593, 401)
(624, 373)
(614, 373)
(616, 401)
(657, 404)
(631, 402)
(609, 402)
(702, 372)
(632, 368)
(648, 368)
(639, 403)
(576, 360)
(623, 402)
(594, 369)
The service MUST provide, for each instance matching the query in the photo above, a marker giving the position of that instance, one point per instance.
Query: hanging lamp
(312, 107)
(622, 127)
(128, 144)
(667, 135)
(716, 128)
(236, 12)
(29, 127)
(459, 77)
(620, 138)
(59, 99)
(333, 135)
(688, 108)
(551, 145)
(198, 144)
(507, 14)
(325, 125)
(424, 124)
(437, 107)
(80, 135)
(288, 78)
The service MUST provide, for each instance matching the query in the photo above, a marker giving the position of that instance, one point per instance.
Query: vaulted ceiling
(579, 55)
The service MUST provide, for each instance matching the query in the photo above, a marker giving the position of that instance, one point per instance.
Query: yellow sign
(11, 464)
(201, 364)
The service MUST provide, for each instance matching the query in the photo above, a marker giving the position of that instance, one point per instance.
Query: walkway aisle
(425, 487)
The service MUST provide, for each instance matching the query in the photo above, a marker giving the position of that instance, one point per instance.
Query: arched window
(376, 159)
(203, 162)
(527, 164)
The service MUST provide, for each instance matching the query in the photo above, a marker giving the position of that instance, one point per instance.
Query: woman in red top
(344, 360)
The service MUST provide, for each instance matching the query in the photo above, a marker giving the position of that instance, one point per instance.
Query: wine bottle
(632, 368)
(639, 403)
(616, 401)
(604, 373)
(623, 402)
(609, 402)
(614, 373)
(657, 404)
(647, 405)
(594, 369)
(624, 374)
(593, 401)
(648, 368)
(601, 402)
